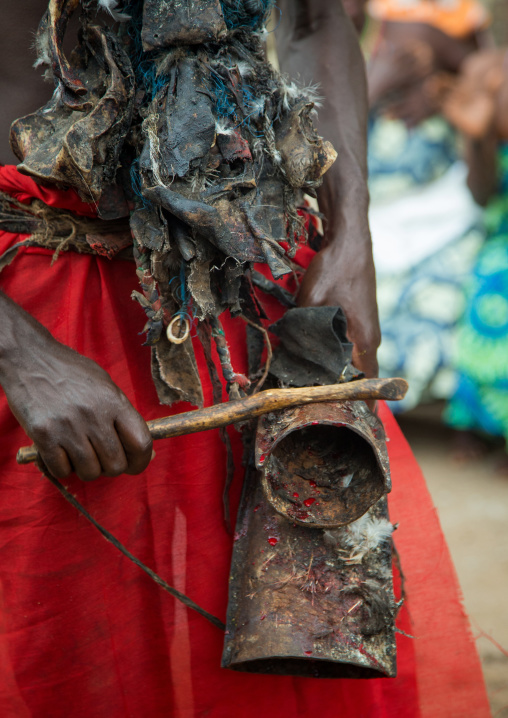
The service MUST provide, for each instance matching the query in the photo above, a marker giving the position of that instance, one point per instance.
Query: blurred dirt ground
(472, 502)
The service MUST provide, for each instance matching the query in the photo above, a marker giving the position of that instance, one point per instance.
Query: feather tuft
(292, 92)
(365, 535)
(223, 127)
(244, 68)
(111, 6)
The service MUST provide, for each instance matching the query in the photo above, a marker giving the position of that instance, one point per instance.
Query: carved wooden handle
(213, 417)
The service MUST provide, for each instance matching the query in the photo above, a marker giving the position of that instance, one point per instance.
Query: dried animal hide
(210, 161)
(48, 43)
(78, 143)
(218, 146)
(314, 348)
(304, 155)
(166, 23)
(175, 372)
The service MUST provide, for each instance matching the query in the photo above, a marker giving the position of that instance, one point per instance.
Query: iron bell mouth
(322, 465)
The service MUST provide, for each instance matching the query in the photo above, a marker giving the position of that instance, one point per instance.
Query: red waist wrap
(85, 634)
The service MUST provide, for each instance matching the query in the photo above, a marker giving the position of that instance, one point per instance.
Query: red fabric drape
(84, 633)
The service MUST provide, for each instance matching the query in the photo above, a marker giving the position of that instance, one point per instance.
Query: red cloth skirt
(85, 634)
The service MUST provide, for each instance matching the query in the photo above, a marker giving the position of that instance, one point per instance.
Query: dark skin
(356, 12)
(72, 410)
(316, 42)
(78, 418)
(408, 55)
(476, 103)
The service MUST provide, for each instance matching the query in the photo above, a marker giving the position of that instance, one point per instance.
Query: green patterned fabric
(424, 255)
(481, 353)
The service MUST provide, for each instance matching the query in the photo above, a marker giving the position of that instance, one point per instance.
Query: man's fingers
(100, 456)
(56, 461)
(110, 453)
(136, 441)
(84, 460)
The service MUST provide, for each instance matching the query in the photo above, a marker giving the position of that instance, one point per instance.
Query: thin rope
(158, 580)
(269, 351)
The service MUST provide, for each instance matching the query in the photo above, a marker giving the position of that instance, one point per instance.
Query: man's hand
(336, 279)
(317, 43)
(76, 416)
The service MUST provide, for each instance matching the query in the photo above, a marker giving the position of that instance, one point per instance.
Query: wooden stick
(213, 417)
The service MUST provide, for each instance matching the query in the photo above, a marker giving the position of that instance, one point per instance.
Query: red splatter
(296, 495)
(308, 653)
(312, 483)
(262, 618)
(372, 659)
(262, 458)
(273, 540)
(309, 502)
(256, 508)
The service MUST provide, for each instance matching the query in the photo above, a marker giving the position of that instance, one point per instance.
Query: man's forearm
(481, 157)
(77, 417)
(17, 331)
(316, 42)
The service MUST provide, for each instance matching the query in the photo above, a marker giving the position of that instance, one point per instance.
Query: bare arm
(481, 158)
(77, 417)
(66, 403)
(317, 43)
(475, 103)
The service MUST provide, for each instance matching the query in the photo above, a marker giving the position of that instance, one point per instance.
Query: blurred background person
(426, 227)
(476, 103)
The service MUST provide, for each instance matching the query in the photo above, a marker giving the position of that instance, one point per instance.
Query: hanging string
(109, 537)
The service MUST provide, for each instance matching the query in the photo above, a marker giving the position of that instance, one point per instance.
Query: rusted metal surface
(304, 600)
(323, 465)
(297, 607)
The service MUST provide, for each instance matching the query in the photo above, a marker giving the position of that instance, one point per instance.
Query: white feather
(365, 535)
(292, 92)
(111, 7)
(42, 49)
(346, 480)
(257, 107)
(244, 68)
(223, 127)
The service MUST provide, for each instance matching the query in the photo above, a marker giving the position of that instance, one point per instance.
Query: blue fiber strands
(250, 14)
